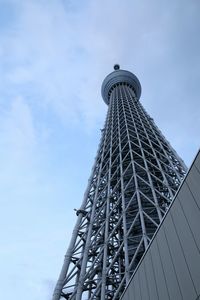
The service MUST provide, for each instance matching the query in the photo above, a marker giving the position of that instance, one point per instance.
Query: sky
(54, 55)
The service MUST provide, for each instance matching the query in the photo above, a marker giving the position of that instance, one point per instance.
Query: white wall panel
(151, 279)
(178, 257)
(197, 162)
(143, 283)
(159, 273)
(137, 287)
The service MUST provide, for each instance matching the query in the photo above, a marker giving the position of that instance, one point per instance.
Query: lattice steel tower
(135, 176)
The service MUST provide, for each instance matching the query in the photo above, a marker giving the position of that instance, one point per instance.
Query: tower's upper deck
(116, 77)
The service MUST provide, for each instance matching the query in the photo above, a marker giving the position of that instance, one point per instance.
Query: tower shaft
(135, 176)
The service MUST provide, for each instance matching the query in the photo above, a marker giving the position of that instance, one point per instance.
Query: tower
(134, 178)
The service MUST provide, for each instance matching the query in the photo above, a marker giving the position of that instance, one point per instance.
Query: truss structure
(135, 176)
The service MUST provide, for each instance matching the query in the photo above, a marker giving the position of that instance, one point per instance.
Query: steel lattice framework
(134, 178)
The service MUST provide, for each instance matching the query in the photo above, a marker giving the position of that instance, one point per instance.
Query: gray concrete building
(170, 268)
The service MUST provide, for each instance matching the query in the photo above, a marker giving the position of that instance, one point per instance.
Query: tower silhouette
(135, 176)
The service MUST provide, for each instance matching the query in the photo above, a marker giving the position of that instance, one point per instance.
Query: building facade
(133, 181)
(170, 268)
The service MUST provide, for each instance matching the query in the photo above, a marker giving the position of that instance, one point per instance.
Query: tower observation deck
(135, 176)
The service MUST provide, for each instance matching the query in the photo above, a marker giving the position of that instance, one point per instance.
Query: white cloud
(65, 51)
(18, 139)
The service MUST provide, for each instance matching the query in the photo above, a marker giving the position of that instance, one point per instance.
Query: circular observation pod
(116, 77)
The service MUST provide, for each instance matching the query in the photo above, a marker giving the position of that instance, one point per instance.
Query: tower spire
(116, 67)
(135, 176)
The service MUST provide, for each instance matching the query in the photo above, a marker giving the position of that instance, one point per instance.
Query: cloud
(63, 51)
(18, 139)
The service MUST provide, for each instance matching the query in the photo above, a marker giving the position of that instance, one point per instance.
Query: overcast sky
(54, 55)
